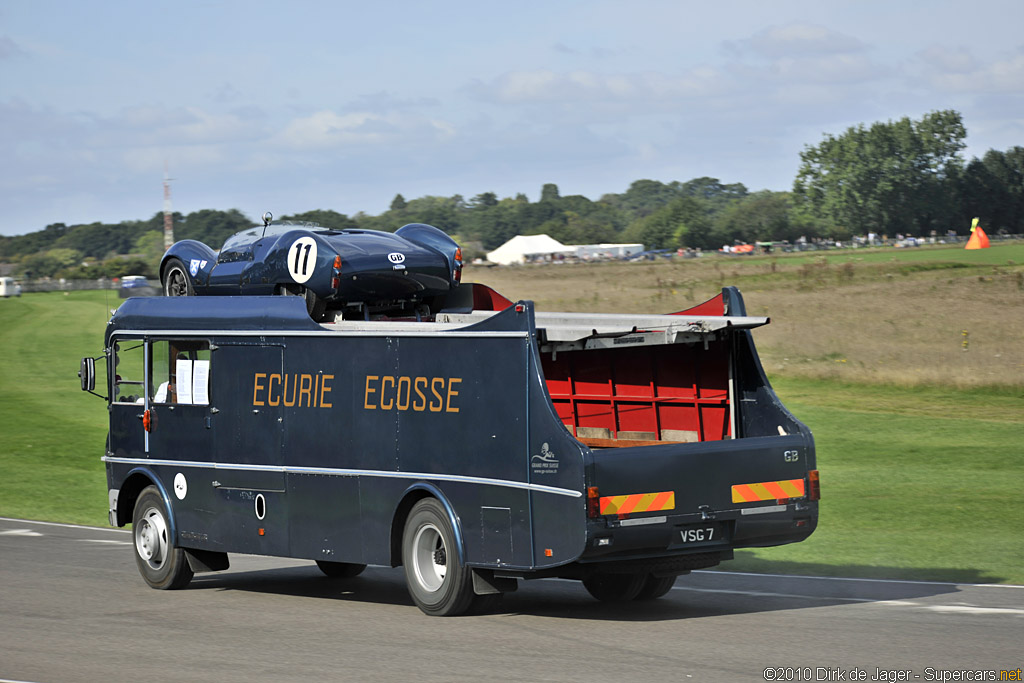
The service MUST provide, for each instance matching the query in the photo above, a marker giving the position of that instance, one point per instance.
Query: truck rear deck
(690, 453)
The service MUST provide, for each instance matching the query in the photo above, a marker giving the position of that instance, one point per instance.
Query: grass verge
(53, 434)
(916, 484)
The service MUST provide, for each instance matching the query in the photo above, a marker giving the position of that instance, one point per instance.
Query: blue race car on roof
(356, 272)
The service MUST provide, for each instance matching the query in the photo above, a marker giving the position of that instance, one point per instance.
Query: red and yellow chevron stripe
(768, 490)
(638, 502)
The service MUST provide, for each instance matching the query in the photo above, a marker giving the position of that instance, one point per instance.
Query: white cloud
(587, 87)
(9, 49)
(801, 40)
(835, 69)
(326, 129)
(958, 71)
(144, 126)
(948, 59)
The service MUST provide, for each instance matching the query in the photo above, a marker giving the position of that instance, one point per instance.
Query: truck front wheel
(162, 564)
(614, 587)
(438, 583)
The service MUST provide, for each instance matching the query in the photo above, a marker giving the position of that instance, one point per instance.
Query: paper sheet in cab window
(201, 382)
(183, 372)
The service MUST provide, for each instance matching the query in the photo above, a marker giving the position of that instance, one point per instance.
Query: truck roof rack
(607, 330)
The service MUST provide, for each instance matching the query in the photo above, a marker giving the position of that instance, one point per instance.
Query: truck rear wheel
(162, 564)
(340, 570)
(438, 583)
(655, 587)
(614, 587)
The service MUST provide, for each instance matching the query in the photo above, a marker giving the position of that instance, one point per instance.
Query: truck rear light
(813, 485)
(593, 502)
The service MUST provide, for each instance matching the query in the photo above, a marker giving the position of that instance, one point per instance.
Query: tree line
(897, 177)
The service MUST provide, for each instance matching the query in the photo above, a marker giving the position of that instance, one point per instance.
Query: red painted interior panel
(713, 306)
(671, 393)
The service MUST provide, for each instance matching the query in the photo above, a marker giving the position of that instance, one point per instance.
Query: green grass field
(53, 434)
(918, 482)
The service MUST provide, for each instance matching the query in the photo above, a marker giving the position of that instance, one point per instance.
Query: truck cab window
(180, 371)
(129, 371)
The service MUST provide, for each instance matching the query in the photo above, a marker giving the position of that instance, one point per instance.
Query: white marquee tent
(521, 248)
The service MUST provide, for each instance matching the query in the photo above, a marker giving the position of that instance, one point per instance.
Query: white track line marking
(949, 609)
(699, 571)
(66, 526)
(726, 572)
(104, 541)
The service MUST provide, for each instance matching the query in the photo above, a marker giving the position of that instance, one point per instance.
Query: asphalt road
(73, 608)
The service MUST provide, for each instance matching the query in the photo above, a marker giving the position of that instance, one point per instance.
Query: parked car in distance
(9, 288)
(137, 285)
(134, 281)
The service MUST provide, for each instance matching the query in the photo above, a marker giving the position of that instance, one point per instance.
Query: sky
(301, 105)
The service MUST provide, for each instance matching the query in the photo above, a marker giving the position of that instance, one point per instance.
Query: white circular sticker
(302, 259)
(180, 486)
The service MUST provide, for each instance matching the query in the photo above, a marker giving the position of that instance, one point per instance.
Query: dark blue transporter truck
(491, 444)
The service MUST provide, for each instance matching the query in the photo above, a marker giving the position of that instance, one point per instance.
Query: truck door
(178, 389)
(246, 435)
(128, 438)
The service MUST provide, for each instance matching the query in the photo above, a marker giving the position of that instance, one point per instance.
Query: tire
(176, 281)
(614, 587)
(655, 587)
(438, 583)
(162, 564)
(315, 306)
(340, 570)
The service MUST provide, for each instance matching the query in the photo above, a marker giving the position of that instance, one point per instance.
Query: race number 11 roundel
(302, 259)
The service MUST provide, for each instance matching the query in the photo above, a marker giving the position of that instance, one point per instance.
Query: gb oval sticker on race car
(302, 259)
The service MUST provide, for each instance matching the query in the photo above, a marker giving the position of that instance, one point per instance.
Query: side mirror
(87, 373)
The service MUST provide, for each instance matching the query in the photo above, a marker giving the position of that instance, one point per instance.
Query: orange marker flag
(979, 240)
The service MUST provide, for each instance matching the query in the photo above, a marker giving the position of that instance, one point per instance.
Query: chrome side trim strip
(341, 472)
(763, 510)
